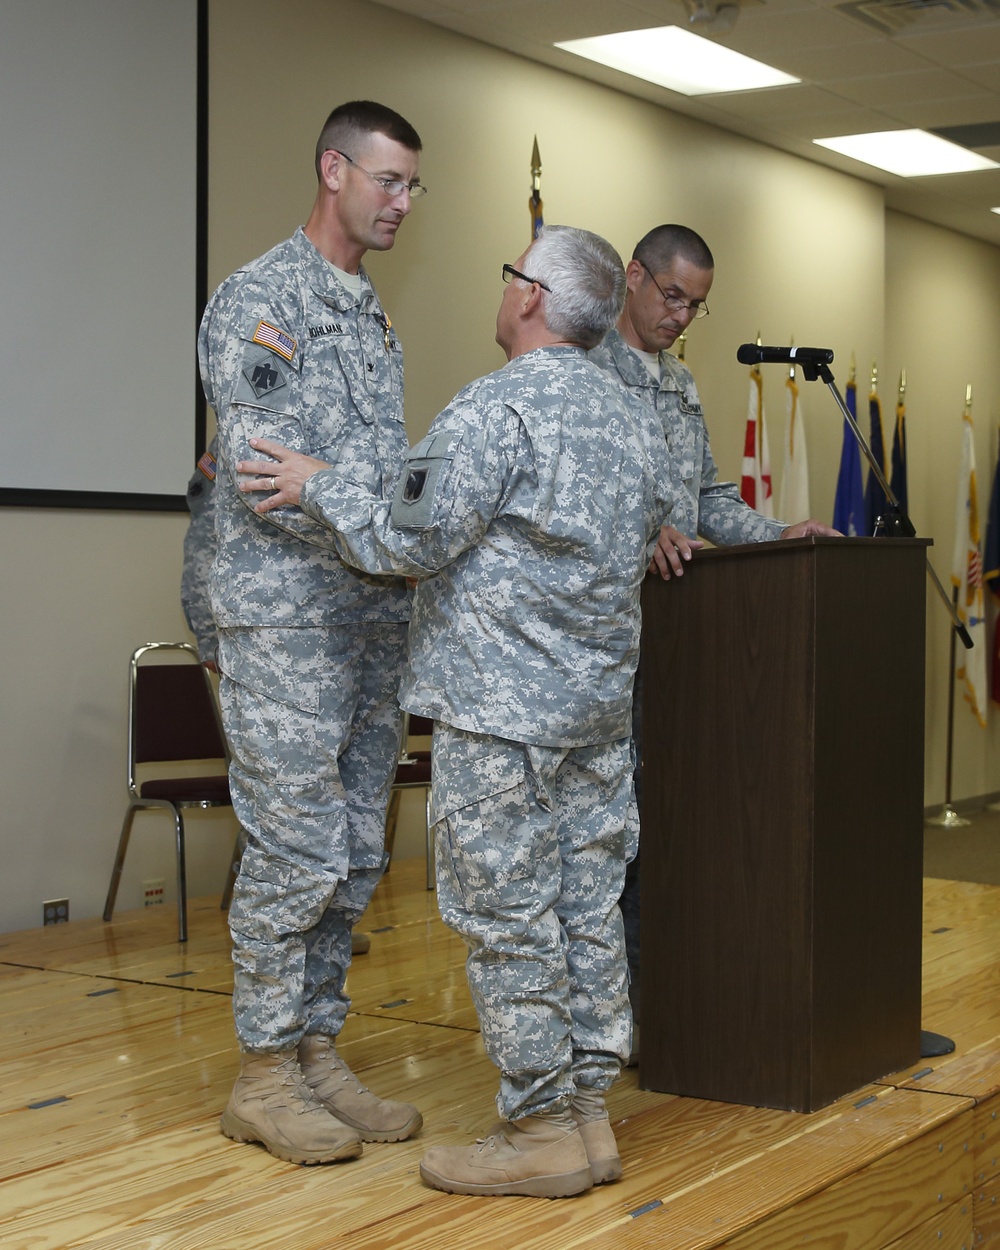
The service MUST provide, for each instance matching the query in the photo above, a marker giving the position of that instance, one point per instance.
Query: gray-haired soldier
(531, 507)
(296, 345)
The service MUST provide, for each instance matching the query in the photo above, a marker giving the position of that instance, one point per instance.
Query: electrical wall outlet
(55, 911)
(152, 892)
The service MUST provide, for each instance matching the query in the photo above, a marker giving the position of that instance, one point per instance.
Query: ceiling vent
(892, 16)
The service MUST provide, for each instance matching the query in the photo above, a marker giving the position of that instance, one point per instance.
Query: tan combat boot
(591, 1118)
(539, 1156)
(272, 1104)
(343, 1095)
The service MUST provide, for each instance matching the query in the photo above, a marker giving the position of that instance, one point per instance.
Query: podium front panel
(782, 820)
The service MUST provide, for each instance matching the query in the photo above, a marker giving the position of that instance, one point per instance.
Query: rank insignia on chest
(277, 340)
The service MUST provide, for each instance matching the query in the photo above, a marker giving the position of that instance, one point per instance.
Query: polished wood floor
(117, 1055)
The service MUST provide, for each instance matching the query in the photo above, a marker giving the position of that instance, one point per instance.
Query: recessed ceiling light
(672, 57)
(995, 210)
(909, 153)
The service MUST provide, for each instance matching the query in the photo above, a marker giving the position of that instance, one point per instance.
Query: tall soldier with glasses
(669, 278)
(310, 652)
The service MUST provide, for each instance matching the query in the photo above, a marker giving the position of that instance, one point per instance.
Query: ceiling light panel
(675, 58)
(908, 153)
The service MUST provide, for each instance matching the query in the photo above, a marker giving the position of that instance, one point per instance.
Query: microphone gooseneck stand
(815, 364)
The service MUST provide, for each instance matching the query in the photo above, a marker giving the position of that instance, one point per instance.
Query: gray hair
(586, 281)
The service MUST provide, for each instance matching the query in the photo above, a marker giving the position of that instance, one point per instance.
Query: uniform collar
(323, 280)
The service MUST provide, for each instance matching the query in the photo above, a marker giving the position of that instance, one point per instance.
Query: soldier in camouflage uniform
(669, 278)
(531, 506)
(199, 550)
(296, 344)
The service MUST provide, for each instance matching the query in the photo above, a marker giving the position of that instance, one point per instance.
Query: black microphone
(753, 353)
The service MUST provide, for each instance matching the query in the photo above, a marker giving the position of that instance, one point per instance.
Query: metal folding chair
(172, 715)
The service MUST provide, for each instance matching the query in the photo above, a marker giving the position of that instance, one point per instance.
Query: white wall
(800, 251)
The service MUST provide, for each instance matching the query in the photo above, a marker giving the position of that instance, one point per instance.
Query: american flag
(270, 336)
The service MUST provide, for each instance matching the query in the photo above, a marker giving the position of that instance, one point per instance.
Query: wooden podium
(782, 820)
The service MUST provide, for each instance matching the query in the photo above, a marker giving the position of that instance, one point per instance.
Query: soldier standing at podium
(669, 278)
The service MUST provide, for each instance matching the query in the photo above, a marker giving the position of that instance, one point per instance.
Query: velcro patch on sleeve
(277, 340)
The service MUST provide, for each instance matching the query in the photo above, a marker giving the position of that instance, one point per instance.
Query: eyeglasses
(677, 303)
(391, 186)
(509, 272)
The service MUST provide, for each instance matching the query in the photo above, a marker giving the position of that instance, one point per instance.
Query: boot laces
(340, 1068)
(290, 1076)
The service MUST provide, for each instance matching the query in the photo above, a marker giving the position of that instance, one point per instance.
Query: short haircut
(586, 281)
(349, 124)
(658, 249)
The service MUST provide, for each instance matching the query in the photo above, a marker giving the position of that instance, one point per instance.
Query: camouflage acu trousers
(313, 727)
(531, 850)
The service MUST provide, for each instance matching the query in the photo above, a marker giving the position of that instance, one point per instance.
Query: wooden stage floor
(118, 1055)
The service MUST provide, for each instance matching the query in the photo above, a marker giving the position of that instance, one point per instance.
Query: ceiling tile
(851, 60)
(930, 114)
(985, 75)
(776, 101)
(960, 47)
(894, 89)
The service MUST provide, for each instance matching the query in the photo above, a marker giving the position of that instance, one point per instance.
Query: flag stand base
(948, 819)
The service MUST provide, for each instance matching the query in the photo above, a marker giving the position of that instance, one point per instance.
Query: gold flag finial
(535, 199)
(902, 384)
(874, 376)
(968, 399)
(854, 369)
(682, 339)
(791, 367)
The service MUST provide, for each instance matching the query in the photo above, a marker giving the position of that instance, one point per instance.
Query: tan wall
(800, 251)
(942, 322)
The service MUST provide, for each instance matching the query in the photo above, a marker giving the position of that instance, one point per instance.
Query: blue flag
(897, 478)
(876, 503)
(849, 504)
(991, 575)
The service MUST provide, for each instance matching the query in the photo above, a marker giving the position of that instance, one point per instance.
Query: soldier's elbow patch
(422, 495)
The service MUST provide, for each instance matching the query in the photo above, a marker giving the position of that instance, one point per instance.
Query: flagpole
(949, 818)
(535, 200)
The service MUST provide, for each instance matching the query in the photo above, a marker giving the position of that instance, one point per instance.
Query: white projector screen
(99, 242)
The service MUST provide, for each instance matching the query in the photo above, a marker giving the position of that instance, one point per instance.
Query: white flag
(795, 475)
(967, 576)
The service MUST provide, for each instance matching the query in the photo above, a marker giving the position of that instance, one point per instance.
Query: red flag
(755, 484)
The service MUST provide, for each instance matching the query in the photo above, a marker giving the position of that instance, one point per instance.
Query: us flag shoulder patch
(207, 465)
(277, 340)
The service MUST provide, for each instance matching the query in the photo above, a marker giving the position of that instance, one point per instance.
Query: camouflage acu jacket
(530, 509)
(287, 353)
(702, 504)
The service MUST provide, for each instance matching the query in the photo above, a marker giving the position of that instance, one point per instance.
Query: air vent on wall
(896, 15)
